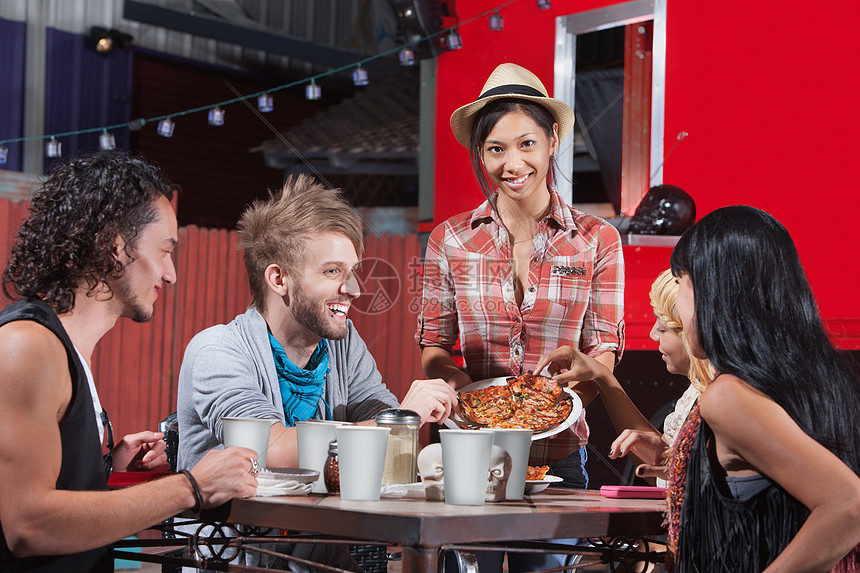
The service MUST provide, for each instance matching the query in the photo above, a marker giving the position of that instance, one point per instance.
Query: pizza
(488, 405)
(528, 401)
(536, 472)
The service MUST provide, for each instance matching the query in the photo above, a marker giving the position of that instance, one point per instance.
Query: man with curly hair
(97, 246)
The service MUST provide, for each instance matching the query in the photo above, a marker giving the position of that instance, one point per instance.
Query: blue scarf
(301, 388)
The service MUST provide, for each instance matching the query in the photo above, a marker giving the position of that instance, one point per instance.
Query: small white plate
(537, 485)
(290, 488)
(285, 481)
(575, 411)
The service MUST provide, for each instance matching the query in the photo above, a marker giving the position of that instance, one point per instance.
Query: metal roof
(374, 131)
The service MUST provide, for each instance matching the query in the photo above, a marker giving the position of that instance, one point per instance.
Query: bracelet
(198, 495)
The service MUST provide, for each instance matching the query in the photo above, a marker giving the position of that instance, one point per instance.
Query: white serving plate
(537, 485)
(575, 411)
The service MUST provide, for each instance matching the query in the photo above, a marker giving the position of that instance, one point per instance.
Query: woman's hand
(141, 452)
(647, 446)
(568, 365)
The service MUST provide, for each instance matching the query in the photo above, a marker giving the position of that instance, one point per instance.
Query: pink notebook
(633, 491)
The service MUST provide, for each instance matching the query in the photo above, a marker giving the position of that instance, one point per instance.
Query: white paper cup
(517, 443)
(251, 433)
(313, 437)
(361, 459)
(466, 459)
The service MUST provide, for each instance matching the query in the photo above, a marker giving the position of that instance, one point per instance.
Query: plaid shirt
(575, 296)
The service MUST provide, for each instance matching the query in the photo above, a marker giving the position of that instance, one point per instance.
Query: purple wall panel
(85, 90)
(12, 60)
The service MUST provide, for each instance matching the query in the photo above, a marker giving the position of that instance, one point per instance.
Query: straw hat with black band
(510, 81)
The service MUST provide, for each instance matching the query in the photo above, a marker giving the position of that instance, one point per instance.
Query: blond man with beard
(294, 355)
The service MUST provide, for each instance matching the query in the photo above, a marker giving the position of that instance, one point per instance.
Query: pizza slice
(534, 392)
(540, 403)
(488, 406)
(536, 472)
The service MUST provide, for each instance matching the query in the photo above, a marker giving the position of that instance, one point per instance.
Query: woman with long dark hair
(765, 473)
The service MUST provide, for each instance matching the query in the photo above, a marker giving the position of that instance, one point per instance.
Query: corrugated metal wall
(349, 24)
(136, 366)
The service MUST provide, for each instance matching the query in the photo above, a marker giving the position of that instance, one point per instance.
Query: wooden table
(421, 527)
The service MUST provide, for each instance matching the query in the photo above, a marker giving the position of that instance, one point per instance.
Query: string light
(406, 57)
(405, 54)
(312, 91)
(107, 141)
(455, 42)
(165, 127)
(497, 23)
(544, 4)
(360, 77)
(216, 116)
(265, 103)
(54, 148)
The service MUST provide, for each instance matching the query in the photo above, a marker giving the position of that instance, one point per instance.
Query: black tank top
(82, 467)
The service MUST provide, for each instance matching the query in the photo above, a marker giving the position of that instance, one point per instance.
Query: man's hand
(647, 446)
(140, 452)
(433, 400)
(225, 474)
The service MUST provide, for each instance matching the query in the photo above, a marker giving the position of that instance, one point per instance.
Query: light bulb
(360, 77)
(497, 23)
(313, 91)
(544, 4)
(165, 127)
(455, 42)
(107, 141)
(265, 103)
(54, 148)
(216, 116)
(406, 56)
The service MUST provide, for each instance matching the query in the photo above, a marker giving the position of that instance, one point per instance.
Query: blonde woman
(637, 435)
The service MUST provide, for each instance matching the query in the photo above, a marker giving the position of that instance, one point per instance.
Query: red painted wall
(764, 91)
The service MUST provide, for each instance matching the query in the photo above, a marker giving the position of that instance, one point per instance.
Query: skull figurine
(432, 473)
(664, 210)
(500, 469)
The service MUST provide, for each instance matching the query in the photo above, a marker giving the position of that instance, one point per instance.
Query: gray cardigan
(228, 370)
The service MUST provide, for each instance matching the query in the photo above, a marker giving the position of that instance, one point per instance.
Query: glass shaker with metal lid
(402, 449)
(331, 469)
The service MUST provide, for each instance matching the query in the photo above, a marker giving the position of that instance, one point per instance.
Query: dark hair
(487, 118)
(756, 318)
(75, 217)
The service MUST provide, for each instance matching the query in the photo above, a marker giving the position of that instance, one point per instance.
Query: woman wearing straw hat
(523, 274)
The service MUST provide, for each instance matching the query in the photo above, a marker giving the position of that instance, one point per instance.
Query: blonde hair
(277, 231)
(663, 294)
